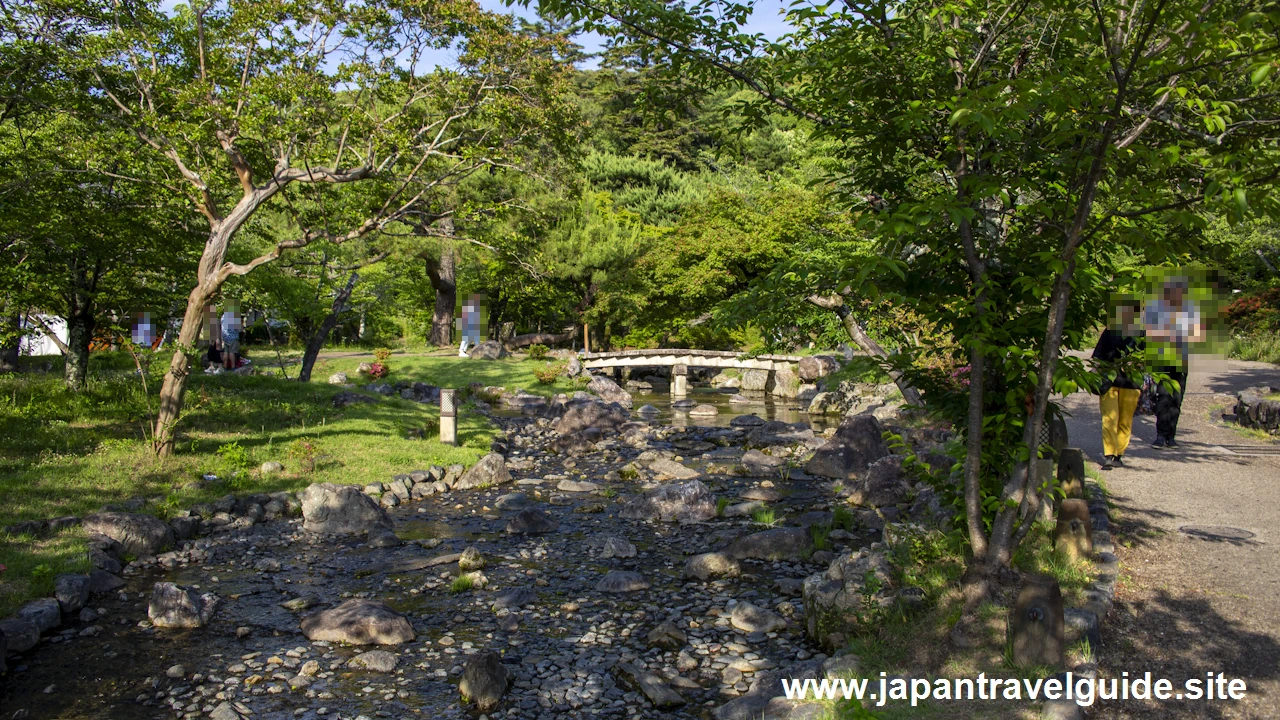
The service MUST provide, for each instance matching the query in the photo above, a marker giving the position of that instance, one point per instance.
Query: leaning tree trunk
(175, 380)
(326, 326)
(444, 279)
(836, 304)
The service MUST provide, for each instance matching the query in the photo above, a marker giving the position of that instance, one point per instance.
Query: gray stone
(487, 350)
(847, 596)
(514, 598)
(749, 618)
(329, 508)
(359, 622)
(484, 680)
(224, 711)
(531, 521)
(338, 378)
(757, 381)
(647, 410)
(709, 565)
(856, 444)
(577, 486)
(616, 547)
(173, 606)
(175, 672)
(673, 502)
(137, 534)
(622, 581)
(747, 421)
(704, 410)
(375, 660)
(20, 634)
(667, 636)
(817, 366)
(184, 528)
(652, 686)
(609, 391)
(884, 483)
(44, 613)
(763, 494)
(776, 432)
(490, 471)
(512, 501)
(757, 464)
(72, 592)
(101, 581)
(787, 543)
(346, 398)
(271, 467)
(471, 559)
(383, 539)
(672, 469)
(786, 383)
(589, 412)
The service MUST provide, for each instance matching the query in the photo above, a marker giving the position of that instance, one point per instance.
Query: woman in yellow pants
(1119, 392)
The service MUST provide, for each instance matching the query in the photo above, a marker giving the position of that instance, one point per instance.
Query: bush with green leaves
(538, 351)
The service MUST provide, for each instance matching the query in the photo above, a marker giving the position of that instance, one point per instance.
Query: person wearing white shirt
(1172, 322)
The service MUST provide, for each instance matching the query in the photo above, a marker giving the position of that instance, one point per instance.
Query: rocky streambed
(592, 566)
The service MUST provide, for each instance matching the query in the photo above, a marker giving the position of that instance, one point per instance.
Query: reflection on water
(765, 406)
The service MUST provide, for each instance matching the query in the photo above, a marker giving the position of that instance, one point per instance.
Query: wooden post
(586, 338)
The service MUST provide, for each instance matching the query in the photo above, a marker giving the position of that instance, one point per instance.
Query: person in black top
(1118, 356)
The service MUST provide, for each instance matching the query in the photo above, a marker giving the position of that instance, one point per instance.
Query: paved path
(1188, 606)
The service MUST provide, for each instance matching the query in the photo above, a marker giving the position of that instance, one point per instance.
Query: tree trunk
(322, 333)
(444, 279)
(79, 335)
(175, 380)
(836, 304)
(538, 338)
(10, 342)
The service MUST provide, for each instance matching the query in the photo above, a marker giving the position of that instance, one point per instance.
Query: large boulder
(137, 534)
(329, 508)
(21, 635)
(359, 622)
(488, 350)
(817, 366)
(484, 680)
(44, 613)
(622, 581)
(757, 381)
(884, 483)
(609, 391)
(72, 592)
(1257, 407)
(789, 543)
(491, 471)
(673, 502)
(848, 596)
(580, 414)
(173, 606)
(856, 444)
(776, 432)
(786, 383)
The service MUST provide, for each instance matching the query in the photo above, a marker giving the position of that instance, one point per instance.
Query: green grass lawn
(71, 453)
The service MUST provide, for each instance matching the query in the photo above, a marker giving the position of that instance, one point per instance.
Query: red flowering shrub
(1256, 312)
(378, 370)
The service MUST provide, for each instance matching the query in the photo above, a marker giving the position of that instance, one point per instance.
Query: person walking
(1172, 323)
(1116, 352)
(230, 335)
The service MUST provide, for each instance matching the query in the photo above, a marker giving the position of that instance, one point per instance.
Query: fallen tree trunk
(548, 339)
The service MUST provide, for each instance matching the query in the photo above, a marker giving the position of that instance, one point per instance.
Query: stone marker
(1073, 536)
(1071, 472)
(1037, 626)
